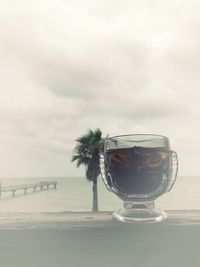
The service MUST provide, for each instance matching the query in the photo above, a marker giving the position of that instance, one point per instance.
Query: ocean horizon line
(68, 176)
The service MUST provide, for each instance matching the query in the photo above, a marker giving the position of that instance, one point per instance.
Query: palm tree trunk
(95, 197)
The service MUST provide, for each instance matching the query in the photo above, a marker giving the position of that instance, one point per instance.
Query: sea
(74, 194)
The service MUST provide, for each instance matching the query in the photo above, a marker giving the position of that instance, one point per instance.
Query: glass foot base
(143, 215)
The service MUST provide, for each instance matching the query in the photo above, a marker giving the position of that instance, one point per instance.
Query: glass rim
(156, 135)
(128, 135)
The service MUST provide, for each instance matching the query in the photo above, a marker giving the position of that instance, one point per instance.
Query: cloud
(72, 66)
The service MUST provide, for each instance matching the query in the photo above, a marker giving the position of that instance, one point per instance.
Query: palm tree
(86, 153)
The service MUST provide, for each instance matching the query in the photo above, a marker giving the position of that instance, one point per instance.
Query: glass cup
(138, 168)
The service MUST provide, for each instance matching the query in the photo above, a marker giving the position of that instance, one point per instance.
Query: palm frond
(74, 157)
(87, 151)
(97, 134)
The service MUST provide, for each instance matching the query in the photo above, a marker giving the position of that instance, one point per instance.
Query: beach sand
(69, 240)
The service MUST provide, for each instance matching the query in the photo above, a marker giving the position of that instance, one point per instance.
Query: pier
(43, 185)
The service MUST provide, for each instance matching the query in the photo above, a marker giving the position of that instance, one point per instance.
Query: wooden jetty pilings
(43, 185)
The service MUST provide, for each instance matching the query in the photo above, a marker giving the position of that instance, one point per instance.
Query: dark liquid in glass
(137, 170)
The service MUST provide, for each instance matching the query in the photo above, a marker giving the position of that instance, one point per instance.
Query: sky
(67, 66)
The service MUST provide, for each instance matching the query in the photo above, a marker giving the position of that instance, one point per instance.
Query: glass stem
(139, 204)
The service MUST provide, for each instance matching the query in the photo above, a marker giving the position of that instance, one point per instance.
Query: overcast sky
(124, 66)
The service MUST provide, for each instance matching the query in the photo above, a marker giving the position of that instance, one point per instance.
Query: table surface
(85, 239)
(68, 220)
